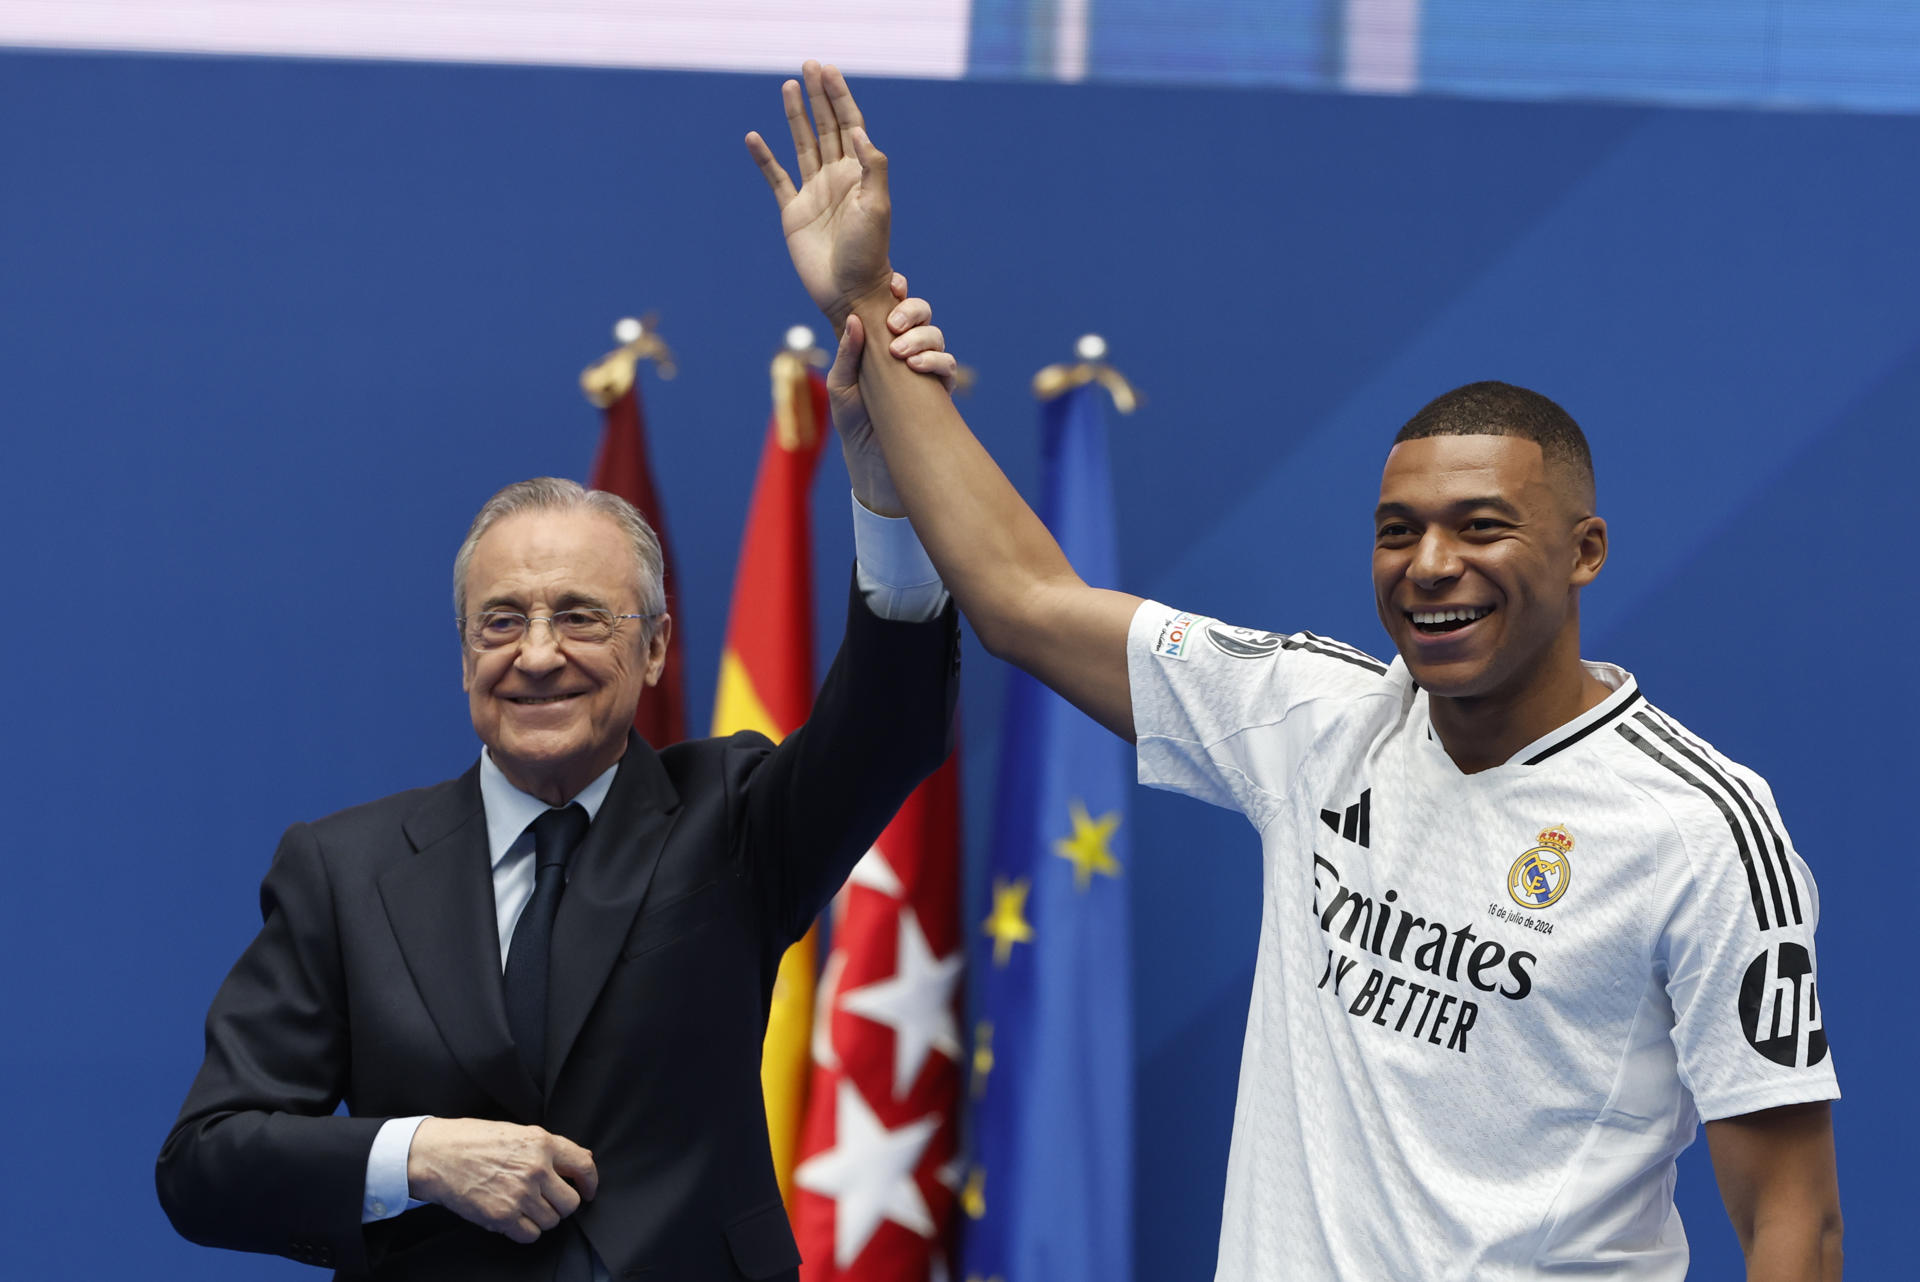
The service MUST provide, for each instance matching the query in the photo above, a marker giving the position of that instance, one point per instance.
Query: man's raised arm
(996, 557)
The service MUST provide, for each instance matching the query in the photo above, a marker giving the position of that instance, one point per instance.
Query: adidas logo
(1353, 823)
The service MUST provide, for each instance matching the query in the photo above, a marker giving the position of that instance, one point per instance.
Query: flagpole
(1056, 381)
(608, 379)
(792, 407)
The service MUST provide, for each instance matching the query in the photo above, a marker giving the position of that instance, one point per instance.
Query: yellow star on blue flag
(1007, 924)
(1089, 849)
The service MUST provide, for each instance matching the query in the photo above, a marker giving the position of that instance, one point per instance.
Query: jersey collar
(1626, 693)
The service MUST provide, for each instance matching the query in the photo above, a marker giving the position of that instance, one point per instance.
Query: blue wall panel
(271, 331)
(1674, 50)
(1857, 55)
(1284, 42)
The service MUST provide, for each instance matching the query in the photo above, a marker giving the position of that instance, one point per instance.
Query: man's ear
(656, 658)
(1589, 550)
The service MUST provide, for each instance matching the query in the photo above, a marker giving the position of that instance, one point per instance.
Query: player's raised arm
(996, 557)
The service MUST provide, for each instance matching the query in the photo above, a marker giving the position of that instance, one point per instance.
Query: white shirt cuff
(893, 571)
(387, 1171)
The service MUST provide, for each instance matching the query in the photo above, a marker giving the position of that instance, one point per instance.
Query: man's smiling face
(1478, 552)
(555, 715)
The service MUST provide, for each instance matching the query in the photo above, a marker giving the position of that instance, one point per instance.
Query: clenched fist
(516, 1180)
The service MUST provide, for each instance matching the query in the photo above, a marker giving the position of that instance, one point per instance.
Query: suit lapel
(440, 904)
(605, 887)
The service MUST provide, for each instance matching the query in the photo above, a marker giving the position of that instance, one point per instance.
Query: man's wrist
(874, 491)
(875, 299)
(420, 1171)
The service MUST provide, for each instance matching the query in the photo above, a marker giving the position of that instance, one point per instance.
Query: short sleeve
(1737, 947)
(1223, 713)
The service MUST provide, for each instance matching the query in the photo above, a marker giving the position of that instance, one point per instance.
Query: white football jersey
(1489, 1010)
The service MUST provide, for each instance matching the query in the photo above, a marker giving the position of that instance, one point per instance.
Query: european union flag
(1049, 1192)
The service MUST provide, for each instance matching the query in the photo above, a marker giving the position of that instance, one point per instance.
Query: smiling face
(1480, 549)
(555, 716)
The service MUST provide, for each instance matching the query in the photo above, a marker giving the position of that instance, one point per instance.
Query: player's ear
(1589, 550)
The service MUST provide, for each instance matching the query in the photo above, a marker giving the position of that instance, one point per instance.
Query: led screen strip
(873, 37)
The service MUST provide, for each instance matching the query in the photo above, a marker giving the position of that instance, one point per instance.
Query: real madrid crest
(1539, 877)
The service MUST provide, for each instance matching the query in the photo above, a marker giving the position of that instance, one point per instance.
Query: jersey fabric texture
(1489, 1010)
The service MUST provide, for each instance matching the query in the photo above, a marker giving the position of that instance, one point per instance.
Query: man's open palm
(836, 221)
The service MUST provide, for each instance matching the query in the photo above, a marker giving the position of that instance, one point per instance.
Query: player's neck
(1483, 731)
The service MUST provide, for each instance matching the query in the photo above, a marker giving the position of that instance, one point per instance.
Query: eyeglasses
(497, 629)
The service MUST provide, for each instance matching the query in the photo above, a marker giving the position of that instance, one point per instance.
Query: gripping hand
(913, 338)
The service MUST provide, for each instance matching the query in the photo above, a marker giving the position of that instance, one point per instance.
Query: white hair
(557, 494)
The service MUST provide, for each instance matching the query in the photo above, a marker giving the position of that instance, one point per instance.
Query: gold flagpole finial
(1057, 380)
(792, 401)
(607, 379)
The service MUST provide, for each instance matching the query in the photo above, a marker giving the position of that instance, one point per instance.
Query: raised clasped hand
(913, 339)
(836, 220)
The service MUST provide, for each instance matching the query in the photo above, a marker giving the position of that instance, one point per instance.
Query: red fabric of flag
(876, 1184)
(620, 467)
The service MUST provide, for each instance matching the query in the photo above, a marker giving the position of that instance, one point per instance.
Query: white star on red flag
(869, 1174)
(874, 872)
(870, 1203)
(917, 1003)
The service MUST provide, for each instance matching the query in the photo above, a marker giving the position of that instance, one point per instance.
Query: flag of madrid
(875, 1186)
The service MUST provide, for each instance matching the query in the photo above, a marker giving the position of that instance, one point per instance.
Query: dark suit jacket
(376, 979)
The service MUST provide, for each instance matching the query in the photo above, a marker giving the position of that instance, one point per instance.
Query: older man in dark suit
(541, 988)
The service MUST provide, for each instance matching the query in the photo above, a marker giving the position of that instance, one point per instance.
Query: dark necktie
(555, 834)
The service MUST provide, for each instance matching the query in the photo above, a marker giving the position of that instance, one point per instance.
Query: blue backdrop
(270, 331)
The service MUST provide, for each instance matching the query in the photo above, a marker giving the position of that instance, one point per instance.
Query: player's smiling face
(1477, 558)
(555, 714)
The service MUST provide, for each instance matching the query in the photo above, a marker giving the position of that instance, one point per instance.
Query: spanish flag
(766, 684)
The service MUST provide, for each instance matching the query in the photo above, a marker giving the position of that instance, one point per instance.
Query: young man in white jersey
(1522, 931)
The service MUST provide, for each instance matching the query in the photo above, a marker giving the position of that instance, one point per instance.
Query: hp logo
(1778, 1008)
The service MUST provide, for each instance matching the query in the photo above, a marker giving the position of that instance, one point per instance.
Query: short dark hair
(1501, 409)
